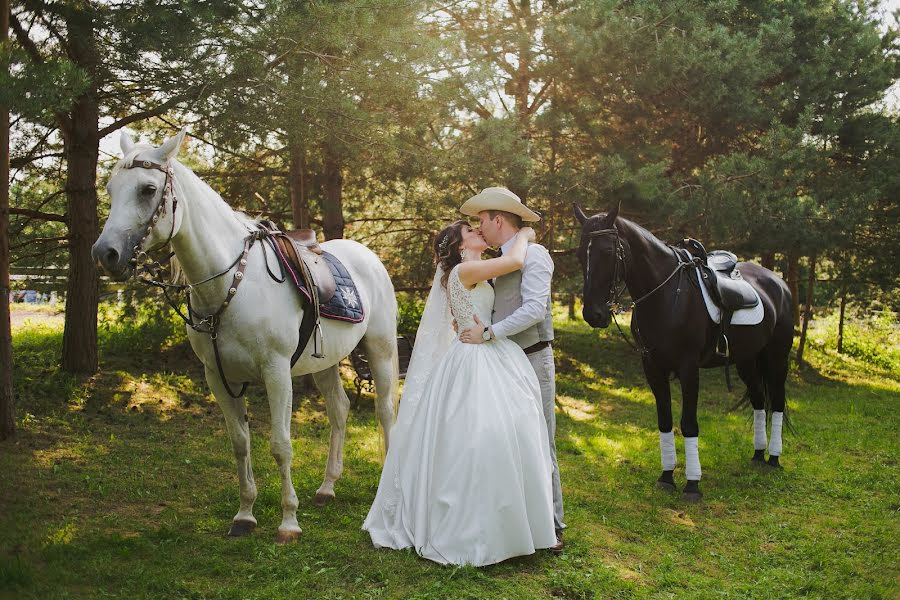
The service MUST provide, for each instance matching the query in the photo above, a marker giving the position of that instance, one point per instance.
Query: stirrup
(720, 351)
(318, 329)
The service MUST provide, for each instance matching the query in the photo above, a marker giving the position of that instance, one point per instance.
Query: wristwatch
(486, 334)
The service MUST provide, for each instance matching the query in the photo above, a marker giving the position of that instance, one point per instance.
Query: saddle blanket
(745, 316)
(345, 305)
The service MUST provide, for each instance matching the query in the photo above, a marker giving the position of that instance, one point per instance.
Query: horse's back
(769, 285)
(373, 281)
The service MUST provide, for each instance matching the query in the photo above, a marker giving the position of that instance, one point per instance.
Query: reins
(618, 286)
(144, 265)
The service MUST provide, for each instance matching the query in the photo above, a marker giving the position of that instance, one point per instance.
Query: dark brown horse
(676, 336)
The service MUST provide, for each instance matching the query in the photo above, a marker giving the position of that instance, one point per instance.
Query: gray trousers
(542, 361)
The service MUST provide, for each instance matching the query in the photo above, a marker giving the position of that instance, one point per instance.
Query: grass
(122, 485)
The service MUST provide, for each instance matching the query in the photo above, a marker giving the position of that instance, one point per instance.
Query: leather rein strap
(142, 261)
(210, 323)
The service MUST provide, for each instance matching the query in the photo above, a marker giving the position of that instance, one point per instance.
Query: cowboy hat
(498, 198)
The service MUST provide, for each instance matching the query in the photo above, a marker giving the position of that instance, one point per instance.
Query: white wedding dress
(467, 476)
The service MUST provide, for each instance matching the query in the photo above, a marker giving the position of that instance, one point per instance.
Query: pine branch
(22, 37)
(151, 112)
(60, 238)
(21, 162)
(36, 214)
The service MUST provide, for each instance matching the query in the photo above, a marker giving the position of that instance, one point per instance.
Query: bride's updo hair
(446, 248)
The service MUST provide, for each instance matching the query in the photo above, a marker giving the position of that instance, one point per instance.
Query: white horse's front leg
(236, 424)
(278, 388)
(337, 405)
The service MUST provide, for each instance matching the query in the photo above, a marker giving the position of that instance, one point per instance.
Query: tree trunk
(297, 185)
(807, 313)
(521, 90)
(840, 341)
(768, 260)
(80, 137)
(793, 277)
(332, 208)
(7, 399)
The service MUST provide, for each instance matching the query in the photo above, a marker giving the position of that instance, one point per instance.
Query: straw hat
(498, 198)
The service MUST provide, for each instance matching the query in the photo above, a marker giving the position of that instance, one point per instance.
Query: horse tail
(744, 400)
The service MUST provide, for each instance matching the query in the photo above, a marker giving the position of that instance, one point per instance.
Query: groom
(522, 308)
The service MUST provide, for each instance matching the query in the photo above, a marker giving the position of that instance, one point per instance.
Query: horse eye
(149, 189)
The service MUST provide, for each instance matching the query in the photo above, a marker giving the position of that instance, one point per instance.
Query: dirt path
(19, 317)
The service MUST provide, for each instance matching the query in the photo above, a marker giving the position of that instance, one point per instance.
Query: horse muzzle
(113, 260)
(596, 318)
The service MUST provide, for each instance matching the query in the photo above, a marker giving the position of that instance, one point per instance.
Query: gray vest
(507, 298)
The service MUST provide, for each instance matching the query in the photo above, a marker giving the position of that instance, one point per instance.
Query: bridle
(620, 267)
(144, 265)
(620, 272)
(141, 255)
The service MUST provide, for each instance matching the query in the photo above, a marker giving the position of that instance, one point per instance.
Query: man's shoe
(557, 548)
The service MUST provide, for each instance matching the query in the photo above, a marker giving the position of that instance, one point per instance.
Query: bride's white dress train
(467, 476)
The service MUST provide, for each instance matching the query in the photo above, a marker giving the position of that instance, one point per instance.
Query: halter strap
(160, 210)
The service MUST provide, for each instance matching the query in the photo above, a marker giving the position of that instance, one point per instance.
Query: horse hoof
(288, 536)
(692, 497)
(691, 492)
(323, 499)
(241, 528)
(773, 462)
(665, 486)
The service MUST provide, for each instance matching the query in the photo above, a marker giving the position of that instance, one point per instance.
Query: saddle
(722, 278)
(729, 291)
(302, 251)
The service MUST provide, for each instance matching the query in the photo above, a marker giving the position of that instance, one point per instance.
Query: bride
(467, 476)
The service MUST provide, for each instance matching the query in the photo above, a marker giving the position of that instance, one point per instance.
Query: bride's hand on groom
(528, 233)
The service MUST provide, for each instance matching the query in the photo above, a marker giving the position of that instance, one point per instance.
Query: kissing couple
(471, 476)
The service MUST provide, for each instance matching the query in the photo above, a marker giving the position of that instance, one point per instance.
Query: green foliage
(36, 91)
(740, 123)
(870, 337)
(409, 313)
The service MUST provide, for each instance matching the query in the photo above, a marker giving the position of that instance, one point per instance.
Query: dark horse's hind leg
(659, 385)
(751, 376)
(775, 374)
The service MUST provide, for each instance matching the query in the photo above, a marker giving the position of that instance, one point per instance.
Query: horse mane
(644, 233)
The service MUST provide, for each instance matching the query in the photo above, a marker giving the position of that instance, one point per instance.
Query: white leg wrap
(691, 459)
(759, 429)
(667, 450)
(775, 440)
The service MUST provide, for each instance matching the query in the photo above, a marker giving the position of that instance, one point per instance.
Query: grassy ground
(122, 485)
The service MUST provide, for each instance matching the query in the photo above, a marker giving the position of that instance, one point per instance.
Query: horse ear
(126, 142)
(579, 213)
(169, 148)
(610, 219)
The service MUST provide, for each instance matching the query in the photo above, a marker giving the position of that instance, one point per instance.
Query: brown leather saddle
(301, 248)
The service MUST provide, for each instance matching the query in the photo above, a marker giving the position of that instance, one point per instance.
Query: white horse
(155, 199)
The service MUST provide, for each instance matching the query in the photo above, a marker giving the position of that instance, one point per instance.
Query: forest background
(767, 128)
